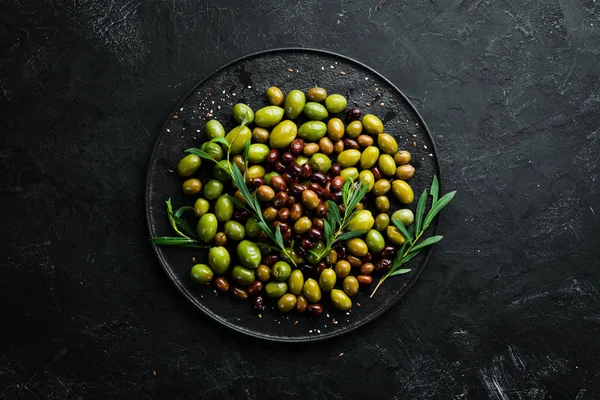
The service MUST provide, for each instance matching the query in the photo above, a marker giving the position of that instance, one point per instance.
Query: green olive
(214, 150)
(363, 221)
(405, 216)
(303, 225)
(335, 129)
(252, 228)
(387, 143)
(301, 159)
(316, 94)
(367, 178)
(239, 161)
(255, 171)
(294, 104)
(283, 134)
(327, 279)
(349, 174)
(375, 241)
(214, 129)
(191, 186)
(315, 111)
(402, 157)
(275, 290)
(320, 163)
(242, 275)
(331, 257)
(354, 129)
(342, 268)
(387, 165)
(188, 165)
(219, 259)
(395, 236)
(372, 124)
(220, 171)
(207, 227)
(357, 247)
(382, 222)
(286, 302)
(350, 285)
(201, 273)
(238, 138)
(269, 116)
(290, 255)
(382, 203)
(201, 207)
(263, 273)
(381, 187)
(257, 153)
(281, 271)
(274, 95)
(403, 192)
(224, 208)
(348, 158)
(235, 230)
(312, 130)
(296, 282)
(340, 300)
(310, 200)
(241, 111)
(249, 254)
(213, 189)
(369, 157)
(269, 175)
(316, 253)
(335, 103)
(311, 290)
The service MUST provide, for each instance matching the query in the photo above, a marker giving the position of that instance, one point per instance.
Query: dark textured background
(509, 305)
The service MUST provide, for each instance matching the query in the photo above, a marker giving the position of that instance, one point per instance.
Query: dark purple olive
(353, 114)
(240, 216)
(315, 234)
(383, 265)
(288, 158)
(388, 251)
(335, 169)
(308, 243)
(259, 303)
(319, 178)
(273, 155)
(296, 169)
(280, 167)
(296, 189)
(270, 260)
(306, 170)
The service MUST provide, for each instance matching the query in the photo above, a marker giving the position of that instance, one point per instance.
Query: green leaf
(238, 178)
(182, 225)
(402, 229)
(238, 203)
(408, 257)
(183, 209)
(427, 242)
(346, 193)
(279, 237)
(327, 230)
(171, 219)
(435, 188)
(411, 230)
(314, 254)
(246, 151)
(220, 140)
(437, 207)
(334, 212)
(172, 241)
(420, 211)
(349, 235)
(400, 272)
(201, 154)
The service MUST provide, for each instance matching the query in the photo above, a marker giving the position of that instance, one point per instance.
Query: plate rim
(275, 338)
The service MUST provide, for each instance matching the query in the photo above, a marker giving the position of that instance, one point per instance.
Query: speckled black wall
(508, 307)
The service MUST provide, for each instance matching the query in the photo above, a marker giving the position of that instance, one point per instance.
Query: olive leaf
(420, 211)
(349, 235)
(435, 188)
(437, 207)
(402, 229)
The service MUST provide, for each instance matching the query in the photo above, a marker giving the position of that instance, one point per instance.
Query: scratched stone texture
(509, 304)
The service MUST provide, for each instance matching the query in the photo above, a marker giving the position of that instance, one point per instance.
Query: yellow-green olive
(220, 171)
(252, 227)
(207, 227)
(311, 290)
(269, 116)
(350, 285)
(363, 221)
(263, 273)
(402, 157)
(224, 208)
(214, 129)
(382, 221)
(354, 129)
(255, 171)
(387, 143)
(387, 165)
(310, 200)
(382, 203)
(274, 95)
(316, 94)
(375, 241)
(294, 104)
(242, 275)
(301, 160)
(369, 157)
(349, 174)
(367, 179)
(372, 124)
(349, 158)
(241, 111)
(201, 207)
(405, 216)
(335, 103)
(357, 247)
(281, 271)
(405, 172)
(327, 279)
(201, 273)
(213, 189)
(315, 111)
(312, 130)
(286, 302)
(296, 282)
(238, 138)
(191, 186)
(403, 191)
(342, 268)
(249, 254)
(275, 290)
(257, 153)
(395, 236)
(340, 300)
(234, 230)
(283, 134)
(219, 259)
(188, 165)
(381, 187)
(303, 225)
(316, 253)
(332, 257)
(269, 175)
(214, 150)
(320, 163)
(335, 129)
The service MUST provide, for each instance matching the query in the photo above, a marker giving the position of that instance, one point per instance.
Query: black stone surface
(508, 306)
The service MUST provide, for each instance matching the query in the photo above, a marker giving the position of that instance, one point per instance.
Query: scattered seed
(368, 104)
(193, 259)
(382, 104)
(357, 304)
(210, 93)
(290, 70)
(259, 315)
(153, 373)
(414, 144)
(175, 117)
(342, 73)
(341, 354)
(208, 115)
(296, 322)
(414, 136)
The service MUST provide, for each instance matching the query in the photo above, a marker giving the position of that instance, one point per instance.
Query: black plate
(246, 80)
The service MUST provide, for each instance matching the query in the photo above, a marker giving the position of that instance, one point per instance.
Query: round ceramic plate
(246, 80)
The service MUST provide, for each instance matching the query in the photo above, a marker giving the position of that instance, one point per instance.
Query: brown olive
(405, 172)
(260, 135)
(338, 146)
(337, 183)
(273, 155)
(239, 161)
(296, 212)
(310, 200)
(351, 144)
(376, 173)
(317, 94)
(297, 146)
(220, 239)
(265, 193)
(280, 200)
(283, 214)
(310, 149)
(239, 293)
(326, 146)
(191, 186)
(255, 288)
(365, 140)
(367, 269)
(355, 262)
(222, 284)
(402, 157)
(269, 214)
(318, 223)
(301, 303)
(365, 279)
(278, 183)
(316, 309)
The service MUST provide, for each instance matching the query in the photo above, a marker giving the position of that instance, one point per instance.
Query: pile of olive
(301, 153)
